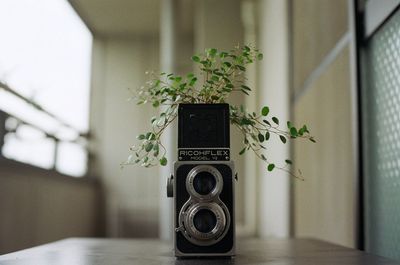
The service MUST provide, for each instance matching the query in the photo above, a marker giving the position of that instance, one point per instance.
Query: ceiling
(129, 17)
(119, 17)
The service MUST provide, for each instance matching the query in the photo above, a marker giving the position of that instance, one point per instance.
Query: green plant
(222, 73)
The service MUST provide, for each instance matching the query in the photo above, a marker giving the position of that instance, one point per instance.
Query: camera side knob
(170, 186)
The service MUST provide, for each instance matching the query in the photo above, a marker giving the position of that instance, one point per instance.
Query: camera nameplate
(203, 154)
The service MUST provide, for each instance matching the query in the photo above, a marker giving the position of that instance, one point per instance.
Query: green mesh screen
(381, 128)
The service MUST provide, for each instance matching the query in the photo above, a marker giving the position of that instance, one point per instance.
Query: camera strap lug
(180, 229)
(170, 186)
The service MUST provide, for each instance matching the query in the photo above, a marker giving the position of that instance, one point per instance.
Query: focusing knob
(170, 186)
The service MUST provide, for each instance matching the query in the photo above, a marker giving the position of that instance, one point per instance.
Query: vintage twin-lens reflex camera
(203, 183)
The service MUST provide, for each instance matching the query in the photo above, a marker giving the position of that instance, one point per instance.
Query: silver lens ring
(211, 170)
(213, 236)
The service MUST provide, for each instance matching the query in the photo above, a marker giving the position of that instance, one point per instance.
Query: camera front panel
(204, 208)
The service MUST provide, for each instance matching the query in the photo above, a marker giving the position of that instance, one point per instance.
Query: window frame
(81, 136)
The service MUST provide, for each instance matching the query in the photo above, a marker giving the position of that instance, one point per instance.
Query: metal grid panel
(382, 140)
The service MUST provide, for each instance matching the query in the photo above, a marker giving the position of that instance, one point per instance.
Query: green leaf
(312, 140)
(227, 64)
(305, 129)
(214, 78)
(223, 54)
(260, 56)
(242, 151)
(196, 59)
(245, 121)
(283, 139)
(261, 137)
(150, 136)
(244, 91)
(141, 137)
(263, 157)
(289, 124)
(271, 167)
(163, 161)
(192, 81)
(301, 131)
(265, 111)
(267, 135)
(148, 147)
(156, 103)
(212, 52)
(156, 147)
(293, 132)
(276, 120)
(246, 87)
(288, 161)
(267, 122)
(240, 67)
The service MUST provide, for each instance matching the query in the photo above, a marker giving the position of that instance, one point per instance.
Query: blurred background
(66, 124)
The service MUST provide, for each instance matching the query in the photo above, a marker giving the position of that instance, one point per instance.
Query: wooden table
(81, 251)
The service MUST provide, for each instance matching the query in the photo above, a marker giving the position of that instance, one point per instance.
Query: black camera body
(203, 183)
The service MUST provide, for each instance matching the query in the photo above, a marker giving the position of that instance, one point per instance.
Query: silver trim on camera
(218, 182)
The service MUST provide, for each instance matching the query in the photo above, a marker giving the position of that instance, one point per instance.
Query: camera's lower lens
(204, 220)
(204, 223)
(204, 182)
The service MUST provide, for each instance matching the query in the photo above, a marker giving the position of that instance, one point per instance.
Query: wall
(323, 98)
(39, 206)
(132, 199)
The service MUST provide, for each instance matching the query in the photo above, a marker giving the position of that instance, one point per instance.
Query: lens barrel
(204, 182)
(206, 222)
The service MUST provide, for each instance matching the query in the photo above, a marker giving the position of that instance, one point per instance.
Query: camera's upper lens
(204, 182)
(204, 220)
